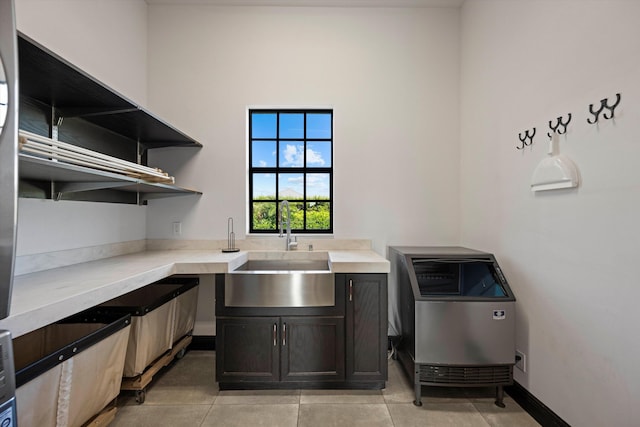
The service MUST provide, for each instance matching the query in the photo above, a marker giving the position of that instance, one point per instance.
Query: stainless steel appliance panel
(280, 290)
(8, 151)
(465, 332)
(8, 412)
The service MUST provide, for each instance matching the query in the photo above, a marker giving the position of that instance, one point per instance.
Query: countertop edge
(44, 297)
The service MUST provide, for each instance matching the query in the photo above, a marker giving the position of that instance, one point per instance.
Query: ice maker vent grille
(467, 375)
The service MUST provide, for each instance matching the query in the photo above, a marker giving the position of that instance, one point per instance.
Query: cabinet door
(312, 348)
(247, 349)
(366, 330)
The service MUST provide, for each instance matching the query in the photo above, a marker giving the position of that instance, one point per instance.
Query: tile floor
(186, 394)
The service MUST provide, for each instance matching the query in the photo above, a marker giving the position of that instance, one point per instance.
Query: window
(290, 158)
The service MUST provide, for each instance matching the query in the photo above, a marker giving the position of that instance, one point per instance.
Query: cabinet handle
(284, 334)
(350, 290)
(275, 335)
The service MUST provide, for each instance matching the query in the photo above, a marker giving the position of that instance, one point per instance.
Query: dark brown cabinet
(247, 349)
(273, 349)
(342, 346)
(366, 326)
(312, 349)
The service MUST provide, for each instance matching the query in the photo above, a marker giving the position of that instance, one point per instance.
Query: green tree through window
(291, 158)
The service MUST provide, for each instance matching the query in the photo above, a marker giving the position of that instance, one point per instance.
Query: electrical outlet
(521, 361)
(177, 228)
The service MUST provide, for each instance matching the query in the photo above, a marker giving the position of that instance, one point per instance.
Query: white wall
(105, 38)
(108, 40)
(47, 225)
(391, 75)
(570, 255)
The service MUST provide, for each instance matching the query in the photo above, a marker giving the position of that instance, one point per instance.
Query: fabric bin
(186, 303)
(153, 311)
(69, 371)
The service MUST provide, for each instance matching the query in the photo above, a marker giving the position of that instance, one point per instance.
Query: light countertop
(47, 296)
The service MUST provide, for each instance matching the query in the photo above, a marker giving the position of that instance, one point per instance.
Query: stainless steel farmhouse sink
(280, 283)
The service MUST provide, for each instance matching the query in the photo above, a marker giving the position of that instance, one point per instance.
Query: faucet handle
(294, 244)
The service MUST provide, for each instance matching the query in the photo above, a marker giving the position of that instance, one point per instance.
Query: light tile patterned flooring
(186, 394)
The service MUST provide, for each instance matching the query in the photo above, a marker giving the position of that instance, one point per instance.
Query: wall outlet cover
(177, 228)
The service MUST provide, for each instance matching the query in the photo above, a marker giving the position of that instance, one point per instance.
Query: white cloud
(317, 185)
(263, 163)
(294, 156)
(314, 157)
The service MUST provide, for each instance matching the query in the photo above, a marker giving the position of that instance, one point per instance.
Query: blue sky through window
(291, 125)
(264, 185)
(263, 154)
(263, 125)
(318, 185)
(318, 125)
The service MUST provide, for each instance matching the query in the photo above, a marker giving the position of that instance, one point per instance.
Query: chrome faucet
(290, 244)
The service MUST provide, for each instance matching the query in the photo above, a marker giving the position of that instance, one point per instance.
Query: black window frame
(276, 170)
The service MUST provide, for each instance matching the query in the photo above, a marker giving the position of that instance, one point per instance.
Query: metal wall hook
(560, 127)
(525, 138)
(604, 104)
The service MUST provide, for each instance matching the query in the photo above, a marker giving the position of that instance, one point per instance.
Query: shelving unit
(72, 179)
(57, 98)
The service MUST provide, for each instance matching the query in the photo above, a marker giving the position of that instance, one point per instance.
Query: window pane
(263, 125)
(291, 125)
(264, 216)
(264, 186)
(318, 186)
(291, 154)
(318, 154)
(290, 186)
(297, 215)
(318, 216)
(318, 125)
(263, 154)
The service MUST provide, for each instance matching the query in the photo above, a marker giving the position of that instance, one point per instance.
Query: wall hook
(560, 127)
(604, 103)
(525, 138)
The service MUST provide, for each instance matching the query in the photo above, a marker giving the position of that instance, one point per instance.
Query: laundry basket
(70, 371)
(186, 303)
(158, 312)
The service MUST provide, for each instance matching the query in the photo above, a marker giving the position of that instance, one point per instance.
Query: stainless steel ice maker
(457, 317)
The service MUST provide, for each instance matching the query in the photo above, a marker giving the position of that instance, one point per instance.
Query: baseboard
(203, 342)
(534, 407)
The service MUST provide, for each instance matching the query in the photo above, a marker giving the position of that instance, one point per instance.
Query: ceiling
(330, 3)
